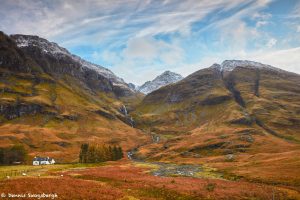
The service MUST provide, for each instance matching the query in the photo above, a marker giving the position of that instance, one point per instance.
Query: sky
(140, 39)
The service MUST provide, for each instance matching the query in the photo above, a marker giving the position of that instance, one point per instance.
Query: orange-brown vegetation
(244, 122)
(122, 180)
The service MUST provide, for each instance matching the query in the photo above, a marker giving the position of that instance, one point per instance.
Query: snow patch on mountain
(133, 86)
(46, 46)
(99, 69)
(53, 49)
(229, 65)
(164, 79)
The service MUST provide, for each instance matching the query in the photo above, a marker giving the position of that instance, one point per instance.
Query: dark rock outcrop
(18, 110)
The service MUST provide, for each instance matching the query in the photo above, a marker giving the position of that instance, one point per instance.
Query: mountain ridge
(53, 49)
(229, 65)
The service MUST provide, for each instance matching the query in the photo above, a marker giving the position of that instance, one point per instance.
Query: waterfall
(124, 109)
(131, 122)
(128, 118)
(155, 138)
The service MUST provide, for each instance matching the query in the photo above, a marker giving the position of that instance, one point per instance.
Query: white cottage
(43, 161)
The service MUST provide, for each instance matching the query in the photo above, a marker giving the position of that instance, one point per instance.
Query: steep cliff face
(14, 58)
(50, 97)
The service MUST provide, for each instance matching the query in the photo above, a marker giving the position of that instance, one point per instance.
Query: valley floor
(134, 180)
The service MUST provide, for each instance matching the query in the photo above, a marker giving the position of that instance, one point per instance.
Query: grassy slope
(68, 118)
(224, 133)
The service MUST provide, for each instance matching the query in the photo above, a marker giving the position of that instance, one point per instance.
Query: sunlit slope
(264, 99)
(220, 116)
(185, 105)
(53, 114)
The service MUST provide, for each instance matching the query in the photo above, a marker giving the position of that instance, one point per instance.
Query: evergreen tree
(2, 153)
(83, 153)
(110, 150)
(120, 153)
(115, 153)
(99, 153)
(92, 154)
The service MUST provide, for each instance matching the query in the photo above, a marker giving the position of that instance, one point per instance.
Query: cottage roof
(42, 159)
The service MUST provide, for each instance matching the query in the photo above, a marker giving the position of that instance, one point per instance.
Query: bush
(210, 187)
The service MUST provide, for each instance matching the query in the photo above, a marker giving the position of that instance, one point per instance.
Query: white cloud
(261, 16)
(261, 23)
(149, 49)
(109, 57)
(129, 71)
(296, 11)
(234, 33)
(142, 48)
(69, 19)
(272, 42)
(287, 59)
(144, 57)
(238, 34)
(132, 25)
(172, 57)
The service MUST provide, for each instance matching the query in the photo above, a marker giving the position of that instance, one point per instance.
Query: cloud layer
(138, 39)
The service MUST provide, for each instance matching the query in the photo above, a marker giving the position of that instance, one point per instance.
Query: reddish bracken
(133, 180)
(65, 188)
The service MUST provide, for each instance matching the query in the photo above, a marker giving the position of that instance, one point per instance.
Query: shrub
(210, 187)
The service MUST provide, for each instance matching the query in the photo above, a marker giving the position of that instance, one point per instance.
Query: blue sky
(139, 39)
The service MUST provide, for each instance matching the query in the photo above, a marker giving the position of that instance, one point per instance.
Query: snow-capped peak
(53, 49)
(229, 65)
(165, 78)
(169, 76)
(46, 46)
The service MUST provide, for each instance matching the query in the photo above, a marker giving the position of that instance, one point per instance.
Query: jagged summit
(23, 41)
(53, 49)
(170, 74)
(229, 65)
(132, 86)
(165, 78)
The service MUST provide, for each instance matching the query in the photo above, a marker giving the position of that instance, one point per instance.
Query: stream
(171, 169)
(168, 169)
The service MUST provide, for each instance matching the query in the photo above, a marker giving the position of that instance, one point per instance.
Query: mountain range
(242, 117)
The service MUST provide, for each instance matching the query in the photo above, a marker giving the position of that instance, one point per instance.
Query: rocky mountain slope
(164, 79)
(41, 48)
(231, 116)
(52, 101)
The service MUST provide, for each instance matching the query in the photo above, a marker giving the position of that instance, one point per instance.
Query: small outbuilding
(43, 161)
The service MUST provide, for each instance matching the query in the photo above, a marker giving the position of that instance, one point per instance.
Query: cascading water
(128, 118)
(124, 110)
